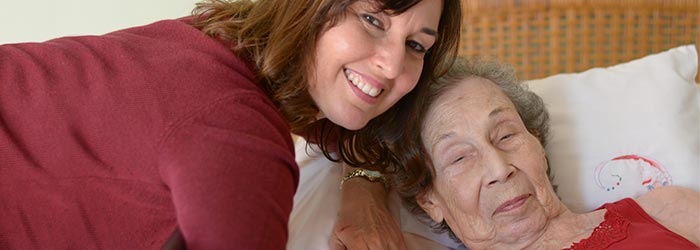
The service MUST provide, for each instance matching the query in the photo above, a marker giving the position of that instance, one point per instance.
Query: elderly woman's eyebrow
(441, 138)
(499, 110)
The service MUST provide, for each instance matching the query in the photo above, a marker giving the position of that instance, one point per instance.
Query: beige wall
(39, 20)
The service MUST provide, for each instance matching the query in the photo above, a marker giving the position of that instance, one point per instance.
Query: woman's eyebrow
(429, 31)
(498, 111)
(440, 138)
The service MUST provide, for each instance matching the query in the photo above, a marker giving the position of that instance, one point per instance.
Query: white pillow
(621, 131)
(697, 86)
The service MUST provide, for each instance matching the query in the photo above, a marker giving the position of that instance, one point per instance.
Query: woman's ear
(428, 202)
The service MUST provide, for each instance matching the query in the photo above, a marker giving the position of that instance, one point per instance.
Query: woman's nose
(390, 59)
(497, 169)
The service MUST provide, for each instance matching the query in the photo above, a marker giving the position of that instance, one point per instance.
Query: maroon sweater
(110, 142)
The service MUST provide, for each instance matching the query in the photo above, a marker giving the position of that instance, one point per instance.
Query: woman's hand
(364, 220)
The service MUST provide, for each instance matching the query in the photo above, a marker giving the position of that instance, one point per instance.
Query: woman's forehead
(470, 94)
(469, 101)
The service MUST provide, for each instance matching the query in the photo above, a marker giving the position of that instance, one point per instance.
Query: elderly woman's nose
(497, 169)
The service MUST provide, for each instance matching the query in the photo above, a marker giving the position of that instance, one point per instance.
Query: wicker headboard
(545, 37)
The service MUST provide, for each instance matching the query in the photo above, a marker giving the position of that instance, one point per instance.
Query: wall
(40, 20)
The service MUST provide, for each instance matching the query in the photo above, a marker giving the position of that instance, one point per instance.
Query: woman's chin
(350, 123)
(353, 125)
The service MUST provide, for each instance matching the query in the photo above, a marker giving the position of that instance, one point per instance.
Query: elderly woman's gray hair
(414, 171)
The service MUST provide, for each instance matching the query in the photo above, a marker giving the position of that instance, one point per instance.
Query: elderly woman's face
(490, 182)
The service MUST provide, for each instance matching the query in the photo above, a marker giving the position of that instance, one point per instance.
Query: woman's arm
(232, 182)
(364, 220)
(676, 208)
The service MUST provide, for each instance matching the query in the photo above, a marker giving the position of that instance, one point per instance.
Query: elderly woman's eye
(458, 159)
(506, 137)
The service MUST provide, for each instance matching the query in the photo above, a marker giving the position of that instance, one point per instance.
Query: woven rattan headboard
(545, 37)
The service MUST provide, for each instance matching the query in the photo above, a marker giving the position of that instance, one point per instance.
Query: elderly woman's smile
(512, 204)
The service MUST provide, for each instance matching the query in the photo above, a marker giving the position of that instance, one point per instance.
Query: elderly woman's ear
(428, 202)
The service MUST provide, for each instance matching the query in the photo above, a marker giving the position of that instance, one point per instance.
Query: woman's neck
(567, 228)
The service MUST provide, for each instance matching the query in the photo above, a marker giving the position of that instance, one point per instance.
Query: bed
(619, 78)
(546, 37)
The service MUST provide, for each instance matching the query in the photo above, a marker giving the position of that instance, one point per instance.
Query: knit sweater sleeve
(232, 174)
(111, 140)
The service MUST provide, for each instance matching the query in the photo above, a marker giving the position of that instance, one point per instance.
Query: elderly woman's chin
(512, 223)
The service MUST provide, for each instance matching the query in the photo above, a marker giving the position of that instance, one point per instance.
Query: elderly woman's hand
(364, 220)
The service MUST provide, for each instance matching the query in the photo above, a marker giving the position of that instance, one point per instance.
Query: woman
(478, 169)
(112, 141)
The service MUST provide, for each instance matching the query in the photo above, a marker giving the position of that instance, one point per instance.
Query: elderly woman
(477, 167)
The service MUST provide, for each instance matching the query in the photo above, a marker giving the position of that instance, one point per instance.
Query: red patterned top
(627, 226)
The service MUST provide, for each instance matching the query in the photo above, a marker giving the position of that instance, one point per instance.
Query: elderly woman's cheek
(477, 228)
(465, 218)
(546, 195)
(468, 212)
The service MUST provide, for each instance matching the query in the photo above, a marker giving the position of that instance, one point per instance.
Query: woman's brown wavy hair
(279, 38)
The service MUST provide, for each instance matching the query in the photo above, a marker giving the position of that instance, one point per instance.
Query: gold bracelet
(371, 175)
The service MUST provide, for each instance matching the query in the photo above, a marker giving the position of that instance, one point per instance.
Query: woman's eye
(373, 21)
(505, 137)
(416, 46)
(458, 159)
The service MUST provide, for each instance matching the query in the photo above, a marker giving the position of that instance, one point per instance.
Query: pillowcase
(621, 131)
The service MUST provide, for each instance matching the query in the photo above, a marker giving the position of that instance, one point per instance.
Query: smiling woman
(118, 140)
(370, 59)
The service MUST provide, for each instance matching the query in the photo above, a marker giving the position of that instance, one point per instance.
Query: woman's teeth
(365, 87)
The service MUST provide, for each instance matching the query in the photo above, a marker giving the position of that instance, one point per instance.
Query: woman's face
(490, 181)
(368, 61)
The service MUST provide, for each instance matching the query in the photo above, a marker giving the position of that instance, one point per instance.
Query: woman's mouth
(366, 88)
(512, 204)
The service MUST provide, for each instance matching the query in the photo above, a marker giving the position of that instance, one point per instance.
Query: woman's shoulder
(672, 207)
(661, 198)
